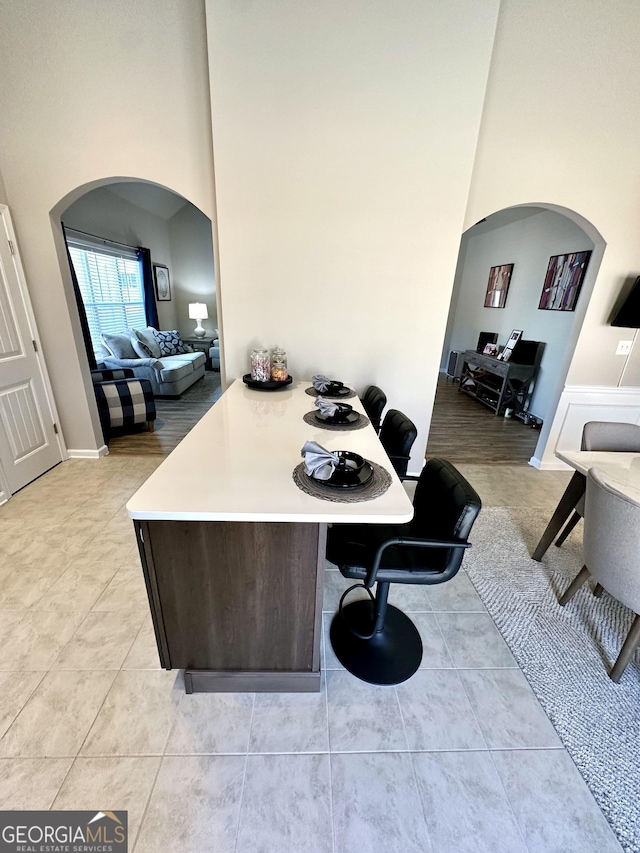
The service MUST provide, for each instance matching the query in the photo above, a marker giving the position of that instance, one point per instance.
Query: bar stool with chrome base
(373, 640)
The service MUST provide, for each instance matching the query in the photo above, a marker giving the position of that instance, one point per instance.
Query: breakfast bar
(232, 549)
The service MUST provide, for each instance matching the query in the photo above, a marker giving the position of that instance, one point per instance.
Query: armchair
(123, 400)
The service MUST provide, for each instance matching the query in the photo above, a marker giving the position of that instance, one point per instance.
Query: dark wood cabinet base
(206, 681)
(237, 605)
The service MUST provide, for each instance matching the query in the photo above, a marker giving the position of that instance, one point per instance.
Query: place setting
(335, 416)
(340, 476)
(322, 386)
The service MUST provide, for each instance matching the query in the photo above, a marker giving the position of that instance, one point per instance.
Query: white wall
(344, 137)
(527, 244)
(3, 192)
(561, 125)
(107, 215)
(192, 272)
(92, 90)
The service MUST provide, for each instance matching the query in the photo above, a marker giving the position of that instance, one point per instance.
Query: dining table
(620, 469)
(232, 542)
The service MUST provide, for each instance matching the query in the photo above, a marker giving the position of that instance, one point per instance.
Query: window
(110, 282)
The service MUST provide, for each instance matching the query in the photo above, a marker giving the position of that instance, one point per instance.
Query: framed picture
(490, 349)
(505, 355)
(162, 282)
(563, 281)
(498, 286)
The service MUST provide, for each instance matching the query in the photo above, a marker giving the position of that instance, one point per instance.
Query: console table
(233, 552)
(498, 384)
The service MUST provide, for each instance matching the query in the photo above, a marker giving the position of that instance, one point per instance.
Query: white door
(29, 445)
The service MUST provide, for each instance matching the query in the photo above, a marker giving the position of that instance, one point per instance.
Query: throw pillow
(141, 348)
(147, 337)
(119, 346)
(170, 343)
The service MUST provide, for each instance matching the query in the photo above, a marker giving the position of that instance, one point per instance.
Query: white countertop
(621, 470)
(236, 464)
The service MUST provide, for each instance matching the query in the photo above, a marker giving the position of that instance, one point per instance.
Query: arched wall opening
(527, 235)
(137, 212)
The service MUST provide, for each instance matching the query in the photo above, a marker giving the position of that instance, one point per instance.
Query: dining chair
(373, 401)
(612, 555)
(603, 436)
(374, 640)
(397, 435)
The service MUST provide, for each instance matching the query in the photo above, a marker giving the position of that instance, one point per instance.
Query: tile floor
(459, 758)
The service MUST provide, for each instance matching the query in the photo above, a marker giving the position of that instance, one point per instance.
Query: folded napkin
(326, 407)
(321, 383)
(318, 462)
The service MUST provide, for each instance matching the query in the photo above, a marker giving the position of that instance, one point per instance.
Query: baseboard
(88, 454)
(548, 465)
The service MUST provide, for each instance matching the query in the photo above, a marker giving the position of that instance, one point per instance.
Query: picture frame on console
(162, 282)
(506, 353)
(498, 286)
(563, 281)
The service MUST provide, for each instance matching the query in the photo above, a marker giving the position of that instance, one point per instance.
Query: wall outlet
(624, 347)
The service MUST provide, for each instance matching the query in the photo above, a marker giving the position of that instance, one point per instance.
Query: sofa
(214, 354)
(140, 351)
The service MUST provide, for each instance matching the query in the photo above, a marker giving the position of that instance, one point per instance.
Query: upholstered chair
(612, 554)
(602, 435)
(123, 401)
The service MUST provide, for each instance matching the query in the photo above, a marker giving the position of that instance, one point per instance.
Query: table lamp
(198, 311)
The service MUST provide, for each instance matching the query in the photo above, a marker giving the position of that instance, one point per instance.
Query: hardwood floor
(463, 430)
(175, 418)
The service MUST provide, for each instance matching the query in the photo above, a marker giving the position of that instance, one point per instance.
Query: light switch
(624, 347)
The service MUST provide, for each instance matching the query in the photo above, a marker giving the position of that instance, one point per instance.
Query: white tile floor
(459, 758)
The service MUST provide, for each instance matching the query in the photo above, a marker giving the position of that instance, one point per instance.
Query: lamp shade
(629, 313)
(198, 311)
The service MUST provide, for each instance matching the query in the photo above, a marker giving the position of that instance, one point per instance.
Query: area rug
(205, 390)
(565, 653)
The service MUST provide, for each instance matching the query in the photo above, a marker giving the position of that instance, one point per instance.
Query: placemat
(377, 485)
(310, 418)
(313, 393)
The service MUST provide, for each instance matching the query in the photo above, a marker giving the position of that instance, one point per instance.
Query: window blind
(110, 282)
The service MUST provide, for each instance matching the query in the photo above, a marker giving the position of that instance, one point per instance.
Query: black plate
(266, 386)
(342, 391)
(350, 418)
(360, 479)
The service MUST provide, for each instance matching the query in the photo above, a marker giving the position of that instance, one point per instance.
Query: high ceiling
(150, 197)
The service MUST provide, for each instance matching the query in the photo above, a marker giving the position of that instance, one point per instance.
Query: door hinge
(55, 428)
(11, 249)
(35, 346)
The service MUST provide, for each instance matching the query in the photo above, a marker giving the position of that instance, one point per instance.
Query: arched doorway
(130, 212)
(525, 236)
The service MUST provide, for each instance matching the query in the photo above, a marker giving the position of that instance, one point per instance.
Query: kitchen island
(233, 551)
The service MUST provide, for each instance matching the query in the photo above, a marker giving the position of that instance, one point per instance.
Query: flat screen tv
(486, 338)
(629, 312)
